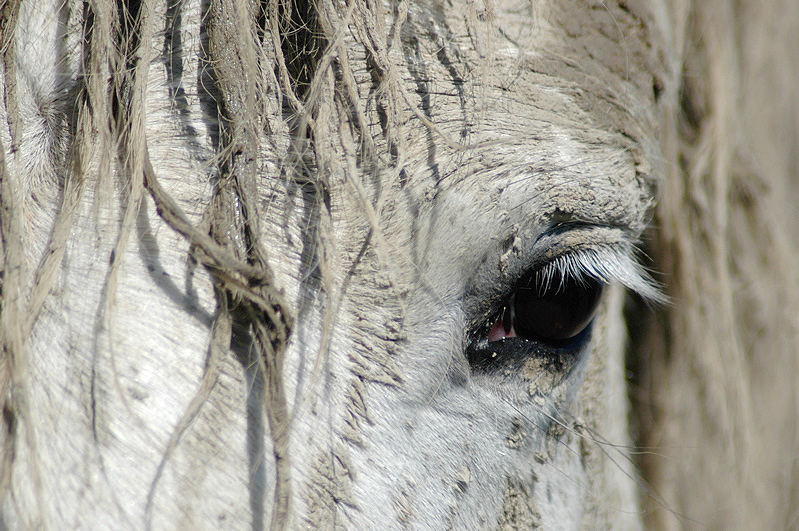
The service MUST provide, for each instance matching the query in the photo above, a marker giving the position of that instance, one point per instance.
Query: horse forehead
(561, 95)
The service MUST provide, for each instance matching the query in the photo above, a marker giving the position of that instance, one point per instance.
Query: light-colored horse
(362, 264)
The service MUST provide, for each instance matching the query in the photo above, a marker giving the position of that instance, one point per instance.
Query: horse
(398, 264)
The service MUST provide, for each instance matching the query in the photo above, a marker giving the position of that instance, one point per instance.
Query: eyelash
(606, 264)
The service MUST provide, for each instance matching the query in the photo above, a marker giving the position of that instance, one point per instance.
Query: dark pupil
(559, 310)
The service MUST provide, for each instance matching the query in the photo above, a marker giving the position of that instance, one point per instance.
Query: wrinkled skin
(514, 120)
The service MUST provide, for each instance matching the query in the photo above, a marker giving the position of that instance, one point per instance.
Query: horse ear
(716, 397)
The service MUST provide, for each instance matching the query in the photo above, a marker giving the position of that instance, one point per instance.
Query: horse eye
(550, 311)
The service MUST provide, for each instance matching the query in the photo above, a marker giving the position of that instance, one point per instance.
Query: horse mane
(715, 399)
(279, 66)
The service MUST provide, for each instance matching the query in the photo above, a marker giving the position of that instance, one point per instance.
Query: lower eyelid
(514, 353)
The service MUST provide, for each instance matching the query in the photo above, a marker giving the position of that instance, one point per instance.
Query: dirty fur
(244, 246)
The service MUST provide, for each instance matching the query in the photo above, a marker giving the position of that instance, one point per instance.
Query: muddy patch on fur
(518, 510)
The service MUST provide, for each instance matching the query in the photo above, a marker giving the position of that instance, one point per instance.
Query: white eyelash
(606, 264)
